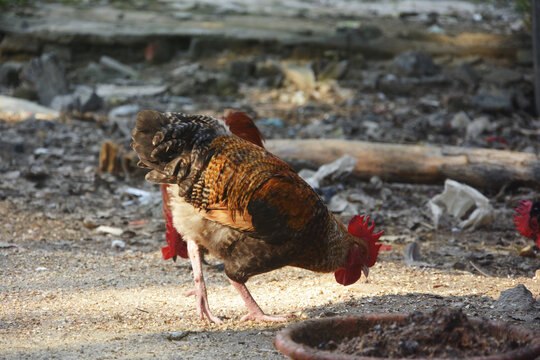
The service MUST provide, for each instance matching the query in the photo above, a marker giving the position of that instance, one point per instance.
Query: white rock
(109, 230)
(477, 127)
(14, 109)
(129, 91)
(459, 199)
(332, 172)
(118, 244)
(460, 121)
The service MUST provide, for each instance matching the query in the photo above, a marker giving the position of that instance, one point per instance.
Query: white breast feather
(192, 225)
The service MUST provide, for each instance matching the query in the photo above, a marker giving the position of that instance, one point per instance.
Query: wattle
(348, 276)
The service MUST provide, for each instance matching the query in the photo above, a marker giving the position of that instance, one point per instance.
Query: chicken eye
(535, 210)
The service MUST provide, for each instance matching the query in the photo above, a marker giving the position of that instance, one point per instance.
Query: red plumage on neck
(243, 126)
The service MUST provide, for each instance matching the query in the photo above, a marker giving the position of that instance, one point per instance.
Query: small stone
(414, 63)
(518, 298)
(129, 91)
(338, 204)
(411, 254)
(467, 74)
(477, 127)
(460, 120)
(241, 70)
(68, 102)
(118, 66)
(87, 98)
(110, 230)
(527, 251)
(118, 244)
(498, 101)
(334, 71)
(20, 109)
(46, 74)
(301, 76)
(435, 29)
(177, 335)
(503, 77)
(89, 224)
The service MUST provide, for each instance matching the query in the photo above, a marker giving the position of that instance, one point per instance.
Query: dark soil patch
(445, 333)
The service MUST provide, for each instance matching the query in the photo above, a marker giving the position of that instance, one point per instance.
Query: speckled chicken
(240, 125)
(245, 206)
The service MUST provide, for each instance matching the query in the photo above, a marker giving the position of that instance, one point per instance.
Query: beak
(365, 269)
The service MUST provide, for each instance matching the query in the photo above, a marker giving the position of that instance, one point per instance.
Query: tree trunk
(481, 168)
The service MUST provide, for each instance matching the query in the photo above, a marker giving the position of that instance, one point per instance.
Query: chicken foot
(254, 310)
(199, 290)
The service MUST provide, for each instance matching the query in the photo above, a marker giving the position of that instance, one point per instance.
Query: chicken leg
(201, 297)
(254, 310)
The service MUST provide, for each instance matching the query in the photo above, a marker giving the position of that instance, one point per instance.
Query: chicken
(246, 207)
(241, 125)
(527, 220)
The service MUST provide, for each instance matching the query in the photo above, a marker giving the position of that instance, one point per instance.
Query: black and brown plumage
(245, 206)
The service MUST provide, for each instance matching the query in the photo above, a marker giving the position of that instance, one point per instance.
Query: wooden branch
(481, 168)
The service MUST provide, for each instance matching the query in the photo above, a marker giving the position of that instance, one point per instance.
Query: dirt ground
(67, 294)
(70, 288)
(78, 299)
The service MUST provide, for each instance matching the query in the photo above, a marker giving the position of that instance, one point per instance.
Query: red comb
(176, 246)
(521, 220)
(361, 229)
(243, 126)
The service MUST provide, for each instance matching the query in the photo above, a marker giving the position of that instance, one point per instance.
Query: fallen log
(481, 168)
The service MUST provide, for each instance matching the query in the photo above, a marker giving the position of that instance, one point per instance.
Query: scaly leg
(201, 298)
(254, 311)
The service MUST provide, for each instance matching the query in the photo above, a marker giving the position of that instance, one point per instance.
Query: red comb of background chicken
(527, 220)
(242, 126)
(175, 244)
(361, 229)
(522, 219)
